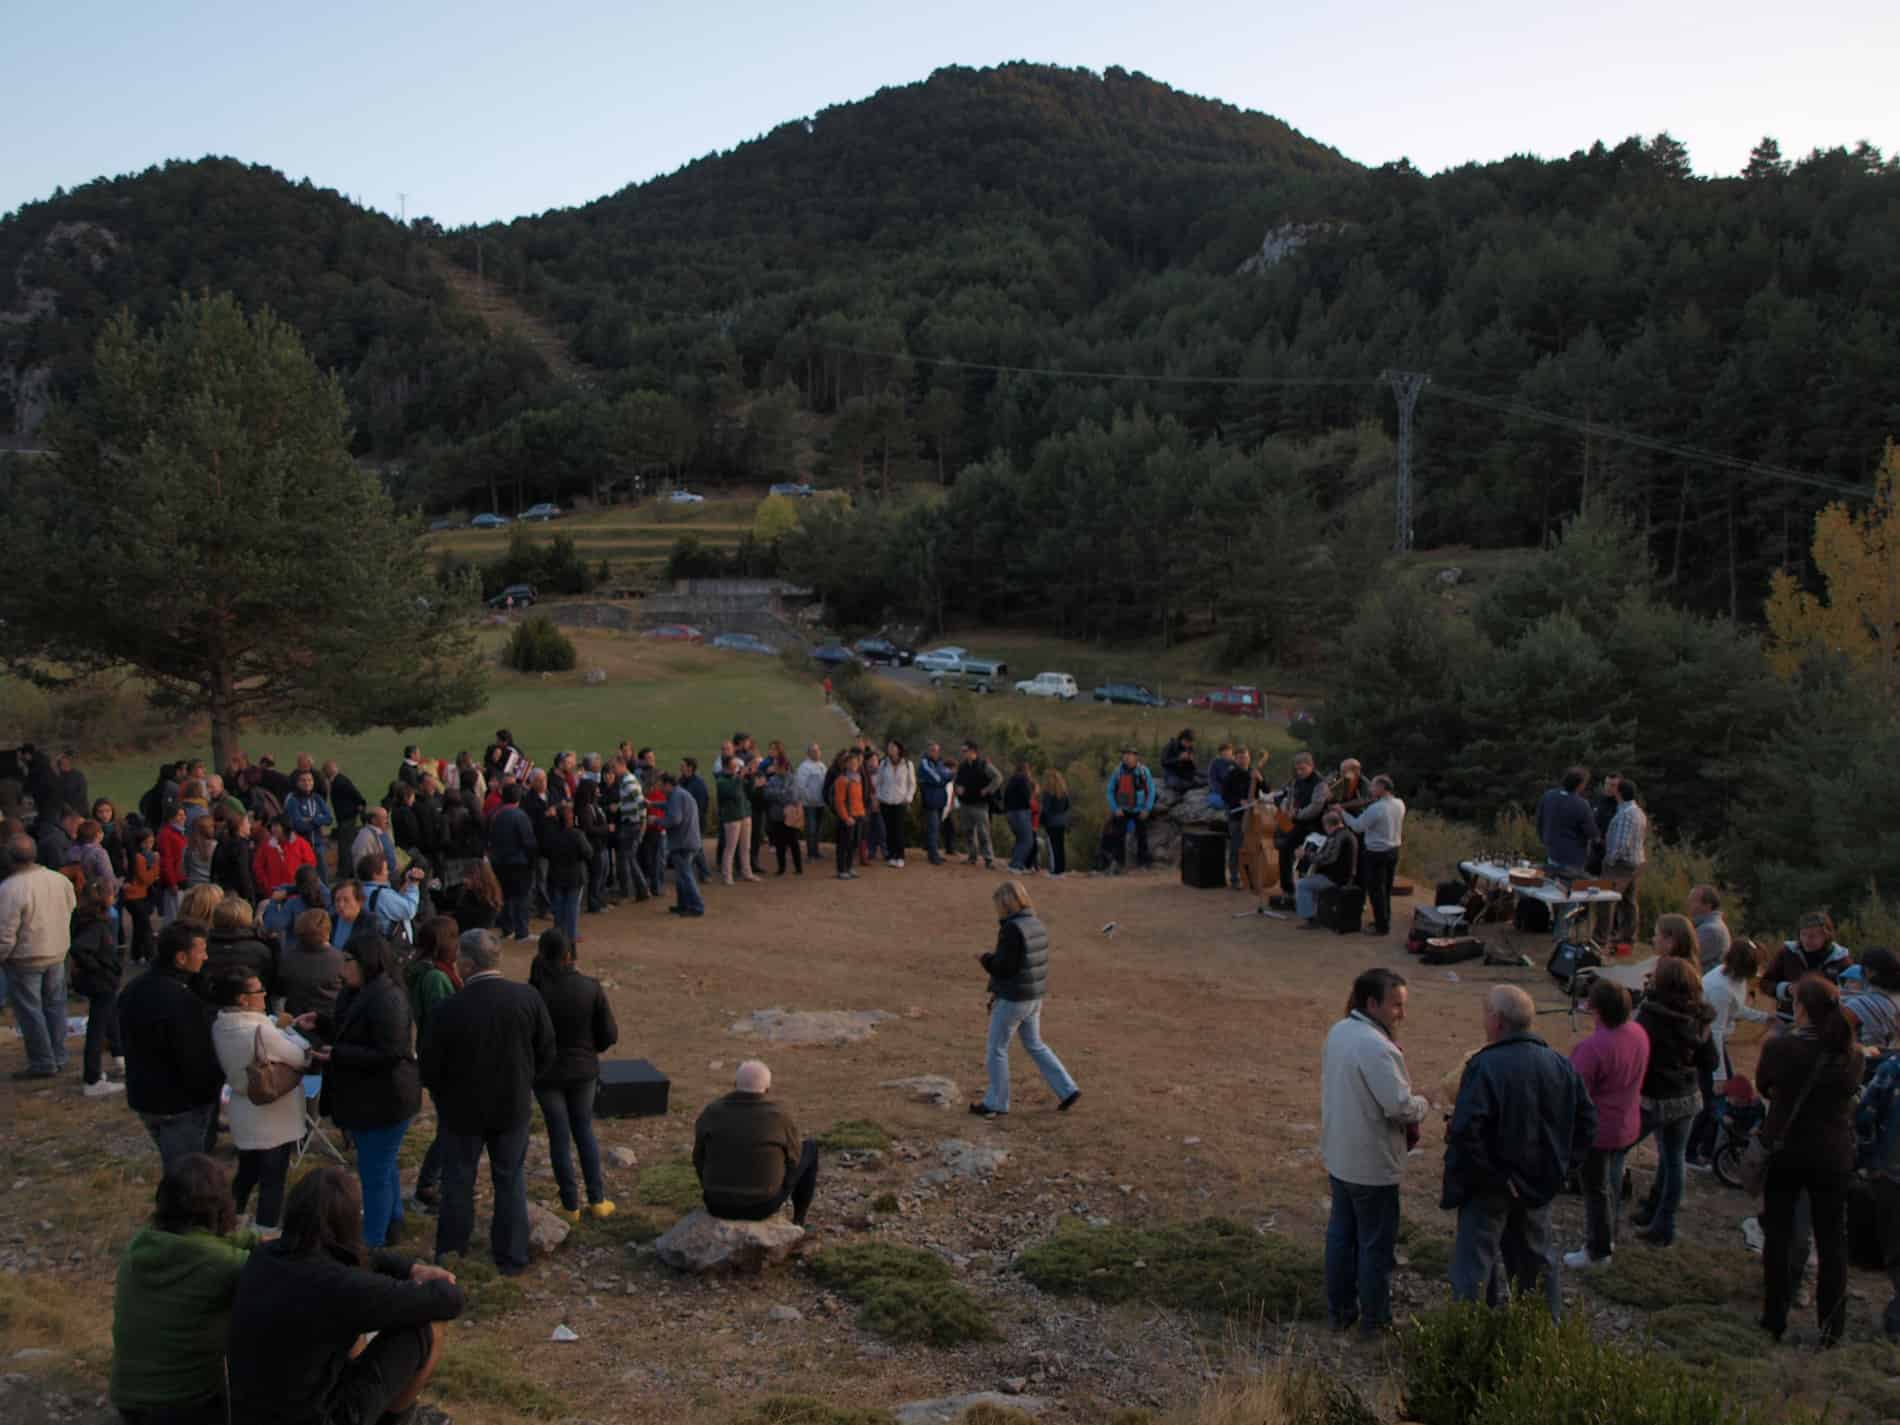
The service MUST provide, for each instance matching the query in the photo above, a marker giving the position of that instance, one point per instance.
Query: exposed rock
(623, 1157)
(970, 1160)
(545, 1230)
(785, 1314)
(947, 1409)
(809, 1026)
(701, 1243)
(1450, 577)
(594, 677)
(926, 1088)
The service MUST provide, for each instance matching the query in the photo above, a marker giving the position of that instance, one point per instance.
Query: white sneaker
(118, 1064)
(899, 864)
(102, 1089)
(1581, 1260)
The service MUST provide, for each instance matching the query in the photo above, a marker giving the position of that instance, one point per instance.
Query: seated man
(1334, 866)
(748, 1155)
(1178, 767)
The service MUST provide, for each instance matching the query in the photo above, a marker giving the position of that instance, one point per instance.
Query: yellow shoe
(569, 1215)
(602, 1209)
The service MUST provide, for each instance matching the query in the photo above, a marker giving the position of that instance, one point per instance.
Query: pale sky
(481, 110)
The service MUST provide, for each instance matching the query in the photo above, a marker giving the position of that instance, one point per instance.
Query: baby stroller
(1738, 1118)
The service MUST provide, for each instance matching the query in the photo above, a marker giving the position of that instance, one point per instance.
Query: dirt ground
(1194, 1029)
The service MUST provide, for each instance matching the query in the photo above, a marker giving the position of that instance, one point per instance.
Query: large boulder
(809, 1026)
(926, 1088)
(545, 1231)
(702, 1244)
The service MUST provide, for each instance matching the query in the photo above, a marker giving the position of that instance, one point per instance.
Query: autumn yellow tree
(777, 517)
(1857, 615)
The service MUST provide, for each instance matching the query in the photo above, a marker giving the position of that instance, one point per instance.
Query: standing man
(1712, 936)
(1602, 808)
(808, 783)
(511, 849)
(70, 783)
(1304, 800)
(694, 786)
(977, 780)
(1131, 796)
(934, 780)
(1523, 1121)
(630, 821)
(1565, 825)
(1369, 1119)
(1381, 828)
(173, 1079)
(485, 1046)
(1625, 850)
(309, 814)
(685, 846)
(346, 803)
(36, 914)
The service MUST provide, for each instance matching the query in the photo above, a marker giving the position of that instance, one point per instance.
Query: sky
(480, 110)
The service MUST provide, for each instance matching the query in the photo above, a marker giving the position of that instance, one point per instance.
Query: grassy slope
(624, 535)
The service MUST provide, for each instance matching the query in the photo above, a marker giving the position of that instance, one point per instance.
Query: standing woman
(1675, 939)
(1056, 811)
(847, 805)
(1811, 1077)
(1677, 1020)
(584, 1029)
(896, 790)
(871, 829)
(781, 799)
(97, 970)
(592, 823)
(567, 853)
(201, 851)
(264, 1133)
(370, 1083)
(1019, 977)
(141, 875)
(1017, 795)
(1725, 988)
(231, 862)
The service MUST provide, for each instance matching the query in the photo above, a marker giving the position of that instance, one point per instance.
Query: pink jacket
(1612, 1063)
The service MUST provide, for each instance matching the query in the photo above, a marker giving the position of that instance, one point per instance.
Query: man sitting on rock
(748, 1154)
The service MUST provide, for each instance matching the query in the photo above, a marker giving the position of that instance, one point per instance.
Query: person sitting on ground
(1813, 951)
(264, 1133)
(172, 1075)
(1334, 865)
(171, 1307)
(306, 1301)
(310, 970)
(748, 1155)
(584, 1029)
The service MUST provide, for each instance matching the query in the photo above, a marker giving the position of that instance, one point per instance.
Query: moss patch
(847, 1269)
(671, 1184)
(807, 1410)
(483, 1371)
(906, 1294)
(854, 1133)
(626, 1228)
(1688, 1271)
(1213, 1265)
(486, 1293)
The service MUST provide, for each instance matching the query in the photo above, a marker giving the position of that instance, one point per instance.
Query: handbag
(794, 816)
(265, 1079)
(1753, 1170)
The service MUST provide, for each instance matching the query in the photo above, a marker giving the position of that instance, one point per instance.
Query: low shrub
(850, 1268)
(486, 1293)
(671, 1184)
(623, 1227)
(1287, 1393)
(854, 1133)
(1213, 1265)
(808, 1410)
(884, 1202)
(904, 1293)
(537, 646)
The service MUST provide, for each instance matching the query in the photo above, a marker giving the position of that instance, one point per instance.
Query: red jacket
(171, 857)
(275, 866)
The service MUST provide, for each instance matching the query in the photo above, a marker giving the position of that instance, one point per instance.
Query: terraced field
(630, 538)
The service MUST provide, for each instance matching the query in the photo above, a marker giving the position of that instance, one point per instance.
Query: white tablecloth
(1550, 893)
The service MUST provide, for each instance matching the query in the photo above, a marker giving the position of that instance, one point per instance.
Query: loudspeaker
(631, 1088)
(1204, 860)
(1341, 908)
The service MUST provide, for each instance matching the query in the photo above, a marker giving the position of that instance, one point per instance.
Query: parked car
(743, 643)
(938, 660)
(979, 675)
(518, 596)
(882, 650)
(1240, 701)
(677, 633)
(1137, 693)
(793, 491)
(1049, 685)
(833, 655)
(437, 526)
(685, 497)
(489, 522)
(542, 511)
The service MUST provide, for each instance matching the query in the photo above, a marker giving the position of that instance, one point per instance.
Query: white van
(1049, 685)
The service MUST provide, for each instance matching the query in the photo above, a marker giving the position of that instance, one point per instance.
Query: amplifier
(631, 1088)
(1204, 860)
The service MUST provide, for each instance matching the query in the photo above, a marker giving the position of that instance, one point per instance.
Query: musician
(1334, 866)
(1237, 790)
(1301, 804)
(1382, 825)
(1178, 766)
(1217, 771)
(1352, 792)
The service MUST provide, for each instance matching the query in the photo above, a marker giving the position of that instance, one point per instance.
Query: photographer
(392, 908)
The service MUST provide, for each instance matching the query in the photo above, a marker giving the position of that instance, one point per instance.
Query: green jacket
(428, 987)
(730, 791)
(171, 1314)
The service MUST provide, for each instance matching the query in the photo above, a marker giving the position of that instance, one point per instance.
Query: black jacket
(568, 854)
(372, 1080)
(1019, 965)
(1017, 793)
(976, 780)
(309, 980)
(584, 1027)
(231, 867)
(295, 1321)
(97, 963)
(1679, 1046)
(511, 838)
(1338, 859)
(1523, 1120)
(486, 1047)
(405, 826)
(241, 949)
(170, 1065)
(1236, 788)
(345, 801)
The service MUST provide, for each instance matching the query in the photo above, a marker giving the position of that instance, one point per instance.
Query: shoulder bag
(1761, 1149)
(265, 1079)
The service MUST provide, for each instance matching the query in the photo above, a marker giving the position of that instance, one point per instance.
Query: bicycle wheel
(1727, 1162)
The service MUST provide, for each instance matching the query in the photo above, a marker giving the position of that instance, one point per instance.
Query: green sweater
(170, 1317)
(732, 803)
(428, 987)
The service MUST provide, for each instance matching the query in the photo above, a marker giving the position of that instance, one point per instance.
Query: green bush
(1213, 1265)
(905, 1293)
(849, 1269)
(537, 646)
(553, 568)
(854, 1133)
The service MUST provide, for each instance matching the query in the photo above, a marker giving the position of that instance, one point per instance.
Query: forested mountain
(357, 286)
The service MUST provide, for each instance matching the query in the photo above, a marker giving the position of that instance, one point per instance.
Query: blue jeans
(1020, 1017)
(871, 835)
(507, 1157)
(1501, 1240)
(517, 892)
(567, 910)
(1602, 1200)
(377, 1169)
(1672, 1141)
(1023, 854)
(683, 883)
(38, 997)
(569, 1111)
(1306, 894)
(1362, 1235)
(933, 833)
(176, 1134)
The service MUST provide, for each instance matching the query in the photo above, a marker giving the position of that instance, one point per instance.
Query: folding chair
(313, 1135)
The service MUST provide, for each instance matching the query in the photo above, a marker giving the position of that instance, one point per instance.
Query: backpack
(403, 932)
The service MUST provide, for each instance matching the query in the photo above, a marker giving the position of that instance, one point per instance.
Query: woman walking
(1019, 977)
(1677, 1020)
(370, 1083)
(1811, 1077)
(584, 1029)
(896, 790)
(264, 1133)
(1056, 810)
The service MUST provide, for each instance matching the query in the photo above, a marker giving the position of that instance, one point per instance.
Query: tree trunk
(1734, 586)
(225, 724)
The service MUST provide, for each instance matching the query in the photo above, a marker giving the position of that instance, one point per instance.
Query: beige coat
(234, 1035)
(36, 918)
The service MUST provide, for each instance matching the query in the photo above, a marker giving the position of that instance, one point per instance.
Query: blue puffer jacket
(1523, 1120)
